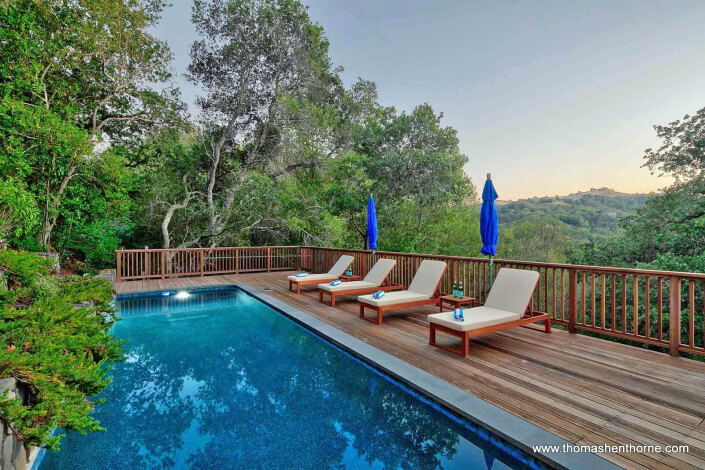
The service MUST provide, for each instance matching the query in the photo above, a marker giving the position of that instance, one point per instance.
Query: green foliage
(60, 352)
(587, 216)
(669, 230)
(535, 240)
(682, 153)
(24, 268)
(451, 230)
(44, 288)
(74, 92)
(18, 209)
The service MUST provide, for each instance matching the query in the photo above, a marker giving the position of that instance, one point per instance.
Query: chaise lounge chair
(375, 280)
(507, 306)
(334, 273)
(423, 290)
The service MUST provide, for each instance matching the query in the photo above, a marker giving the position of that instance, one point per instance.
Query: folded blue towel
(378, 295)
(301, 274)
(335, 283)
(458, 314)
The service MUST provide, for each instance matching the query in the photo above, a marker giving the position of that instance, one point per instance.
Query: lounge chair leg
(547, 325)
(362, 310)
(298, 287)
(463, 350)
(289, 285)
(379, 315)
(320, 295)
(332, 299)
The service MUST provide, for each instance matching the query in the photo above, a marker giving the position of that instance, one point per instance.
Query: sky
(550, 97)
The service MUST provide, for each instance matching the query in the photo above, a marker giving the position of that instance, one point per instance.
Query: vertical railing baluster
(572, 299)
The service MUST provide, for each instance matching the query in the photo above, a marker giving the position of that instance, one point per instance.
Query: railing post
(118, 268)
(145, 264)
(269, 258)
(163, 263)
(200, 253)
(237, 261)
(572, 299)
(299, 256)
(674, 316)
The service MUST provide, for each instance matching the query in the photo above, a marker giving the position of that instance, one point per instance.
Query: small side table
(455, 302)
(346, 278)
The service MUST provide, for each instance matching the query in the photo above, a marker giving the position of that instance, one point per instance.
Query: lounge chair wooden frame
(381, 308)
(308, 282)
(528, 318)
(385, 286)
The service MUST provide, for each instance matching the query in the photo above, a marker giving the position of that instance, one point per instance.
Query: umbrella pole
(489, 274)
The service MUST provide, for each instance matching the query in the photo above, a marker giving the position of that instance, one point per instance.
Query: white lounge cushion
(380, 271)
(512, 290)
(391, 298)
(347, 286)
(427, 277)
(475, 318)
(314, 277)
(340, 266)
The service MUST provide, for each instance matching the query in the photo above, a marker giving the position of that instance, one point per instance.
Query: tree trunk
(166, 238)
(51, 212)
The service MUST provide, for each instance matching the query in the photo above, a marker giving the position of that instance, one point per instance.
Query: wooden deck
(586, 390)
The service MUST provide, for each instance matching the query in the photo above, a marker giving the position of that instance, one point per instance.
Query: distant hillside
(589, 214)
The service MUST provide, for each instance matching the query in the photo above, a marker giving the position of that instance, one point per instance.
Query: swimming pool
(217, 379)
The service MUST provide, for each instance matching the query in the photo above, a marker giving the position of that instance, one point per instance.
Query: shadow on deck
(586, 390)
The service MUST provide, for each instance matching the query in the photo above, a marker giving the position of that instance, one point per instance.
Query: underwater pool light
(182, 295)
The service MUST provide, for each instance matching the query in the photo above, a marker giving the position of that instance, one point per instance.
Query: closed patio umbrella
(371, 224)
(489, 228)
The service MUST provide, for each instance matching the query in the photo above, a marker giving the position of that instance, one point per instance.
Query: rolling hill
(588, 214)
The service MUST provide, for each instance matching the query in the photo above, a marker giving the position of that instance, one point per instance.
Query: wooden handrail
(579, 267)
(160, 263)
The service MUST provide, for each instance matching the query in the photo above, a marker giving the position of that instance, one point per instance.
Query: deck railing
(659, 308)
(167, 263)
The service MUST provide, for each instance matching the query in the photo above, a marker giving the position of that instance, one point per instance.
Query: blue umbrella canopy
(489, 228)
(371, 224)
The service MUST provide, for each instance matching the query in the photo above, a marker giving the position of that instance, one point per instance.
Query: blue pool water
(220, 380)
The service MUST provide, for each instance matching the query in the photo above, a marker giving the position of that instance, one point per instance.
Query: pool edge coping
(498, 421)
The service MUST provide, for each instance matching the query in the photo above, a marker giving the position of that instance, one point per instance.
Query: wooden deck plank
(584, 389)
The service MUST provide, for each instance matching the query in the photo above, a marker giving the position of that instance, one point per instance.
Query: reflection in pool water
(219, 380)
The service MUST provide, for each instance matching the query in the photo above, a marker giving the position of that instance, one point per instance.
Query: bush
(44, 288)
(61, 353)
(24, 268)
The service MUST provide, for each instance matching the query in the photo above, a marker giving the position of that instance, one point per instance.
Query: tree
(669, 230)
(400, 159)
(74, 83)
(255, 60)
(535, 240)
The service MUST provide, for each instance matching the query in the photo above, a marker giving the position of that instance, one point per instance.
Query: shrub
(61, 353)
(44, 288)
(24, 268)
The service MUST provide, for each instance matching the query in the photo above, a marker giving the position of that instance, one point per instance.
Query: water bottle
(455, 289)
(461, 293)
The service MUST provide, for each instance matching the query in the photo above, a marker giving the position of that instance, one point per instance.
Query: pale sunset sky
(551, 97)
